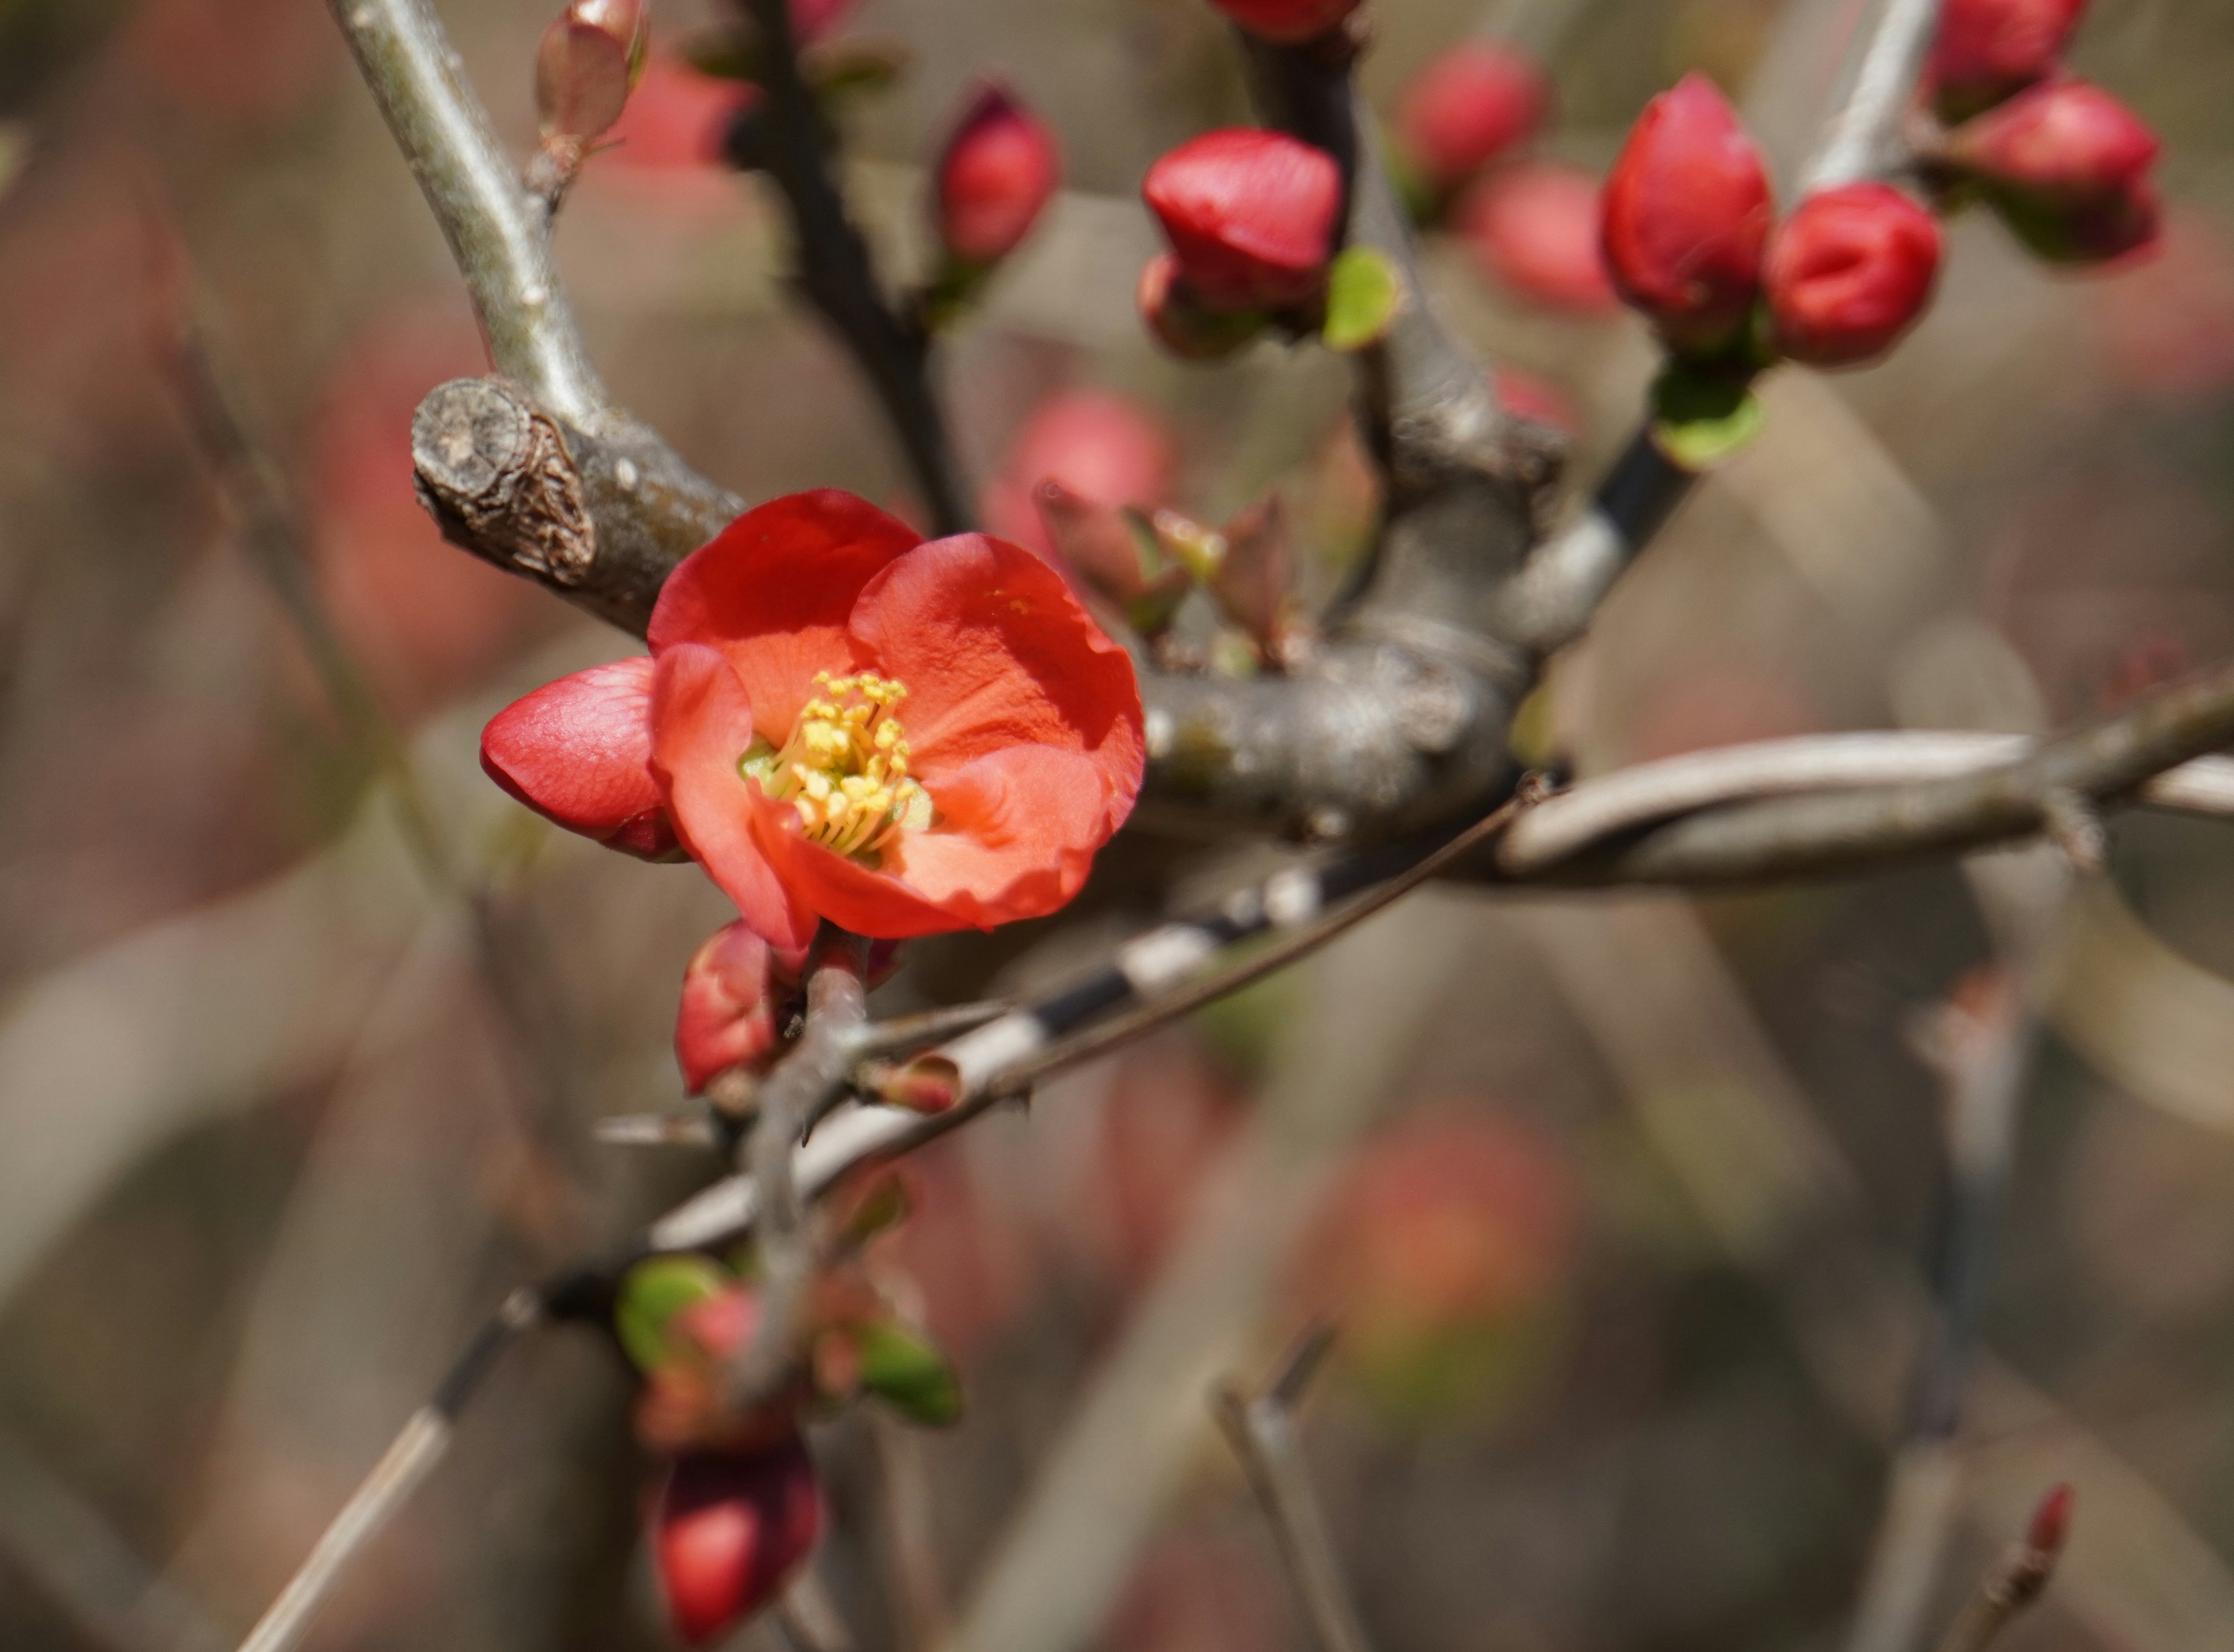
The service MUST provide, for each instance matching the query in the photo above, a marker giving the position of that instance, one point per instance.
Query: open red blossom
(730, 1529)
(1686, 214)
(1468, 108)
(1849, 272)
(997, 172)
(1988, 50)
(1287, 21)
(1250, 214)
(840, 721)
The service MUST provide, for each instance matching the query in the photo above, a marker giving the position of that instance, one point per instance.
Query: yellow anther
(845, 767)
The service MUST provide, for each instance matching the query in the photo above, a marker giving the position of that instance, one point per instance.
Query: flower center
(845, 767)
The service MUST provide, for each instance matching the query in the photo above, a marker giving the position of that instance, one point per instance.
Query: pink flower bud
(729, 1531)
(1178, 321)
(999, 169)
(1108, 448)
(1289, 22)
(727, 1016)
(1534, 227)
(1686, 214)
(1849, 272)
(2067, 165)
(1987, 50)
(589, 59)
(1466, 108)
(1251, 216)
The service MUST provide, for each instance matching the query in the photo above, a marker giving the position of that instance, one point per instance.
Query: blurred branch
(1262, 1429)
(2017, 1579)
(1864, 138)
(837, 276)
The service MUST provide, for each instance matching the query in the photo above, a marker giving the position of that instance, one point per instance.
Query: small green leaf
(904, 1369)
(655, 1291)
(1365, 292)
(853, 64)
(1699, 416)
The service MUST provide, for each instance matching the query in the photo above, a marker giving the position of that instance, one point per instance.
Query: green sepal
(655, 1291)
(904, 1369)
(1702, 415)
(1365, 294)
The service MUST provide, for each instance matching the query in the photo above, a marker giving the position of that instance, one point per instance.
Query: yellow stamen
(845, 768)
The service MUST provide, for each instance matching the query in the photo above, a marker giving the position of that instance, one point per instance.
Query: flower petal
(577, 752)
(702, 724)
(997, 652)
(1016, 838)
(773, 591)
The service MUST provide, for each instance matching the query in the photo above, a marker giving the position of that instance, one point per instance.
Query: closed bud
(1534, 228)
(1287, 22)
(2068, 167)
(728, 1014)
(997, 172)
(1250, 215)
(1849, 272)
(1179, 322)
(1464, 110)
(1687, 215)
(1987, 50)
(729, 1531)
(588, 61)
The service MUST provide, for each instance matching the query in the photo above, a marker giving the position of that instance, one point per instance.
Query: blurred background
(1623, 1202)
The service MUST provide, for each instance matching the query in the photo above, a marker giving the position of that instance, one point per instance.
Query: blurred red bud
(1289, 22)
(1468, 108)
(727, 1016)
(2066, 166)
(1178, 321)
(1849, 272)
(1987, 50)
(812, 19)
(678, 115)
(589, 60)
(997, 172)
(729, 1531)
(1686, 214)
(1251, 216)
(1106, 448)
(1526, 396)
(1099, 543)
(2051, 1521)
(1534, 228)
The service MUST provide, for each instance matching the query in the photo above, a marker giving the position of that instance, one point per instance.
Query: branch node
(494, 471)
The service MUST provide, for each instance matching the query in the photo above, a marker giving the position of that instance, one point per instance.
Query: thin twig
(1263, 1431)
(2017, 1579)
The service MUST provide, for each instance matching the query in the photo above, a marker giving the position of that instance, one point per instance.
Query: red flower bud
(1108, 448)
(999, 169)
(1178, 321)
(1987, 50)
(730, 1531)
(2067, 165)
(1686, 214)
(1287, 21)
(727, 1016)
(1468, 107)
(1849, 272)
(1534, 227)
(1251, 216)
(589, 59)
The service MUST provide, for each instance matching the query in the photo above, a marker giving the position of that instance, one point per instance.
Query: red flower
(997, 172)
(1251, 215)
(841, 721)
(1988, 49)
(727, 1016)
(1849, 272)
(730, 1529)
(1686, 214)
(2066, 166)
(1534, 227)
(1287, 21)
(1468, 107)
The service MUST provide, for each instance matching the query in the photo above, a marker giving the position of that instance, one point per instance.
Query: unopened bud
(1113, 555)
(1987, 50)
(587, 63)
(730, 1529)
(1686, 214)
(998, 170)
(1468, 108)
(2051, 1521)
(1250, 215)
(727, 1016)
(1535, 229)
(1287, 22)
(928, 1084)
(1849, 272)
(2068, 167)
(1179, 322)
